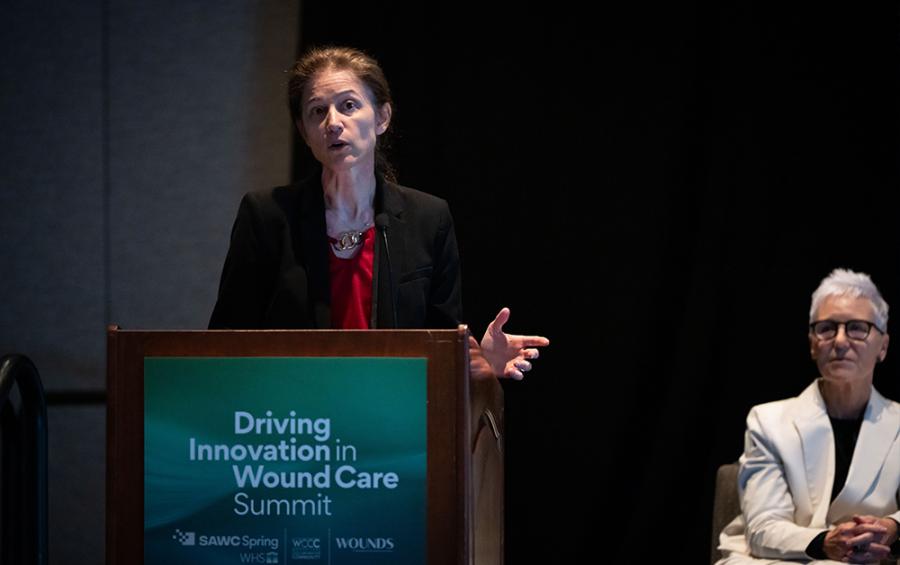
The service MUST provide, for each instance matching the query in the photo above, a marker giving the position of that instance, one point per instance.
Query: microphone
(381, 222)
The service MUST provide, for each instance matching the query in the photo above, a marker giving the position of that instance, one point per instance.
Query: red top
(351, 286)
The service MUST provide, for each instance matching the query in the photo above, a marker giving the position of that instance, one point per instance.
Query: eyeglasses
(857, 330)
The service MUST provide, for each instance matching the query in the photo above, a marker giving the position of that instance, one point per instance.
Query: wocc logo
(184, 538)
(306, 548)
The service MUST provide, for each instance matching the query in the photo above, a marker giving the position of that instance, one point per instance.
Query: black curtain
(658, 189)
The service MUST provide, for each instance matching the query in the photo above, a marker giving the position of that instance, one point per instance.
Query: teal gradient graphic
(375, 405)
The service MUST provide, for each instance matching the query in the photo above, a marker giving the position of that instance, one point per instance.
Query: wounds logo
(365, 545)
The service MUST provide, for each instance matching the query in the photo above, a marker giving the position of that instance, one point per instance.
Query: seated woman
(819, 479)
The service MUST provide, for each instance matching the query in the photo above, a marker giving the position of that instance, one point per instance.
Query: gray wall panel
(190, 130)
(51, 190)
(77, 452)
(196, 117)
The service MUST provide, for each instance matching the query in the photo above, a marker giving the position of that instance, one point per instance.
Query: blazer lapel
(876, 434)
(389, 206)
(817, 443)
(313, 241)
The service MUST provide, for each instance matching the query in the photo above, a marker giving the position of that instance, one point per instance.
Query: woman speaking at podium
(348, 247)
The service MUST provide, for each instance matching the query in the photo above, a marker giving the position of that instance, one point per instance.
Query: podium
(301, 447)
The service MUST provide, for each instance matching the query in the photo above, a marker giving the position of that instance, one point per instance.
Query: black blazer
(276, 272)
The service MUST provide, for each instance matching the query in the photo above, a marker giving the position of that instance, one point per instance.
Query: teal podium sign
(284, 460)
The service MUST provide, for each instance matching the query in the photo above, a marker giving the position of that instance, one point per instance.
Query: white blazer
(787, 470)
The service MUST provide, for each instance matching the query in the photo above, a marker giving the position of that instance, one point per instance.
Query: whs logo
(185, 538)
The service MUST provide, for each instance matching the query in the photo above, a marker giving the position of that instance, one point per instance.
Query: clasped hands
(864, 539)
(503, 355)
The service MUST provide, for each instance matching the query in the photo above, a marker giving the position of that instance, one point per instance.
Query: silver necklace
(347, 240)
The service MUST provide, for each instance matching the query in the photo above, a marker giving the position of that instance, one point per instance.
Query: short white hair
(844, 282)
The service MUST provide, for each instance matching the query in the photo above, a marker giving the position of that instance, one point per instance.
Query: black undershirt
(846, 432)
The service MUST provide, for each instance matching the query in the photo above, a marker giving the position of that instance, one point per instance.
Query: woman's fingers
(522, 365)
(530, 353)
(530, 340)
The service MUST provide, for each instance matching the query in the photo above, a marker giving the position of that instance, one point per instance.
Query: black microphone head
(381, 220)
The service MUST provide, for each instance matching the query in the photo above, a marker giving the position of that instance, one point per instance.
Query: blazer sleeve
(896, 515)
(246, 284)
(445, 296)
(766, 500)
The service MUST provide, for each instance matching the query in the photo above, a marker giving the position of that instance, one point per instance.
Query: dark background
(658, 189)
